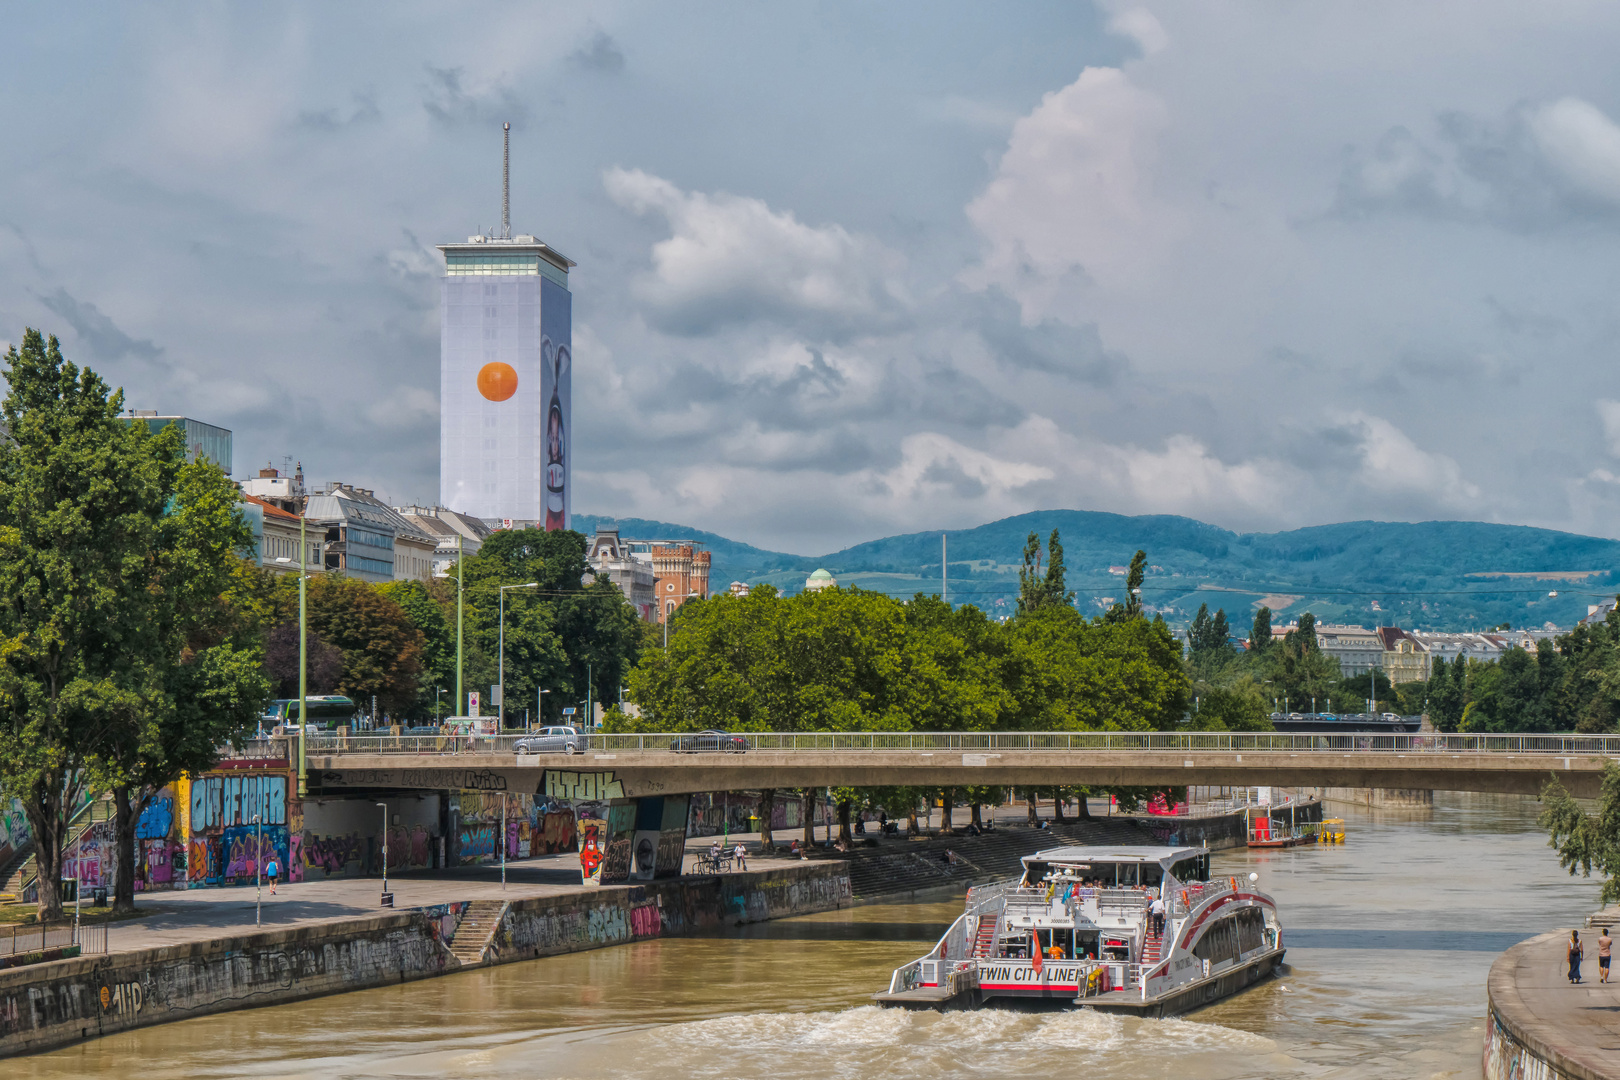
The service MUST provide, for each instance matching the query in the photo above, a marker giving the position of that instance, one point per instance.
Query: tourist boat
(1076, 929)
(1264, 831)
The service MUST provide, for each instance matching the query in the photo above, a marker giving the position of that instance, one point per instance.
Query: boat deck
(923, 997)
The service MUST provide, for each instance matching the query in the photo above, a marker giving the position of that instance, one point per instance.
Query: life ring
(1183, 897)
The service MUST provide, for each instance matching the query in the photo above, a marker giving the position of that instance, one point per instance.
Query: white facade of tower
(505, 357)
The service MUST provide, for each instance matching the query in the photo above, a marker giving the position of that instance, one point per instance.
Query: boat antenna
(506, 181)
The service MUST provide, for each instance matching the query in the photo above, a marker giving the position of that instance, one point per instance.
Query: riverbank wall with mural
(67, 1001)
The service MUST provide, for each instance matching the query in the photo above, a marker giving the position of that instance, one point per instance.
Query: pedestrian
(742, 856)
(1605, 944)
(1575, 954)
(1156, 913)
(271, 870)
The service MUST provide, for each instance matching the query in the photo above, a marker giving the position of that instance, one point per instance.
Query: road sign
(569, 711)
(472, 703)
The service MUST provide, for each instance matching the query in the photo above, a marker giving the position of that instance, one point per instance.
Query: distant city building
(1596, 613)
(682, 573)
(366, 539)
(505, 356)
(1405, 659)
(275, 537)
(1357, 649)
(820, 580)
(739, 589)
(1453, 647)
(614, 560)
(1121, 571)
(454, 534)
(202, 440)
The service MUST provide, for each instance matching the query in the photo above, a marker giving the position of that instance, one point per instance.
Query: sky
(848, 270)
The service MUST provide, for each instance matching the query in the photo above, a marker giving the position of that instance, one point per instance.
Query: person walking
(271, 870)
(1605, 945)
(1156, 913)
(1575, 954)
(742, 856)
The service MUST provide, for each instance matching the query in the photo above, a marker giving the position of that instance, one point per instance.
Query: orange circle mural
(497, 381)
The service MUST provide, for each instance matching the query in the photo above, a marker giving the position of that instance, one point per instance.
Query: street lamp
(539, 711)
(258, 872)
(303, 649)
(500, 677)
(387, 901)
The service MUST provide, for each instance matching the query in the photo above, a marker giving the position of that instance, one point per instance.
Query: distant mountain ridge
(1433, 574)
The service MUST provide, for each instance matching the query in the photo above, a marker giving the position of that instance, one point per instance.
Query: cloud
(363, 111)
(1390, 463)
(1609, 414)
(1532, 167)
(600, 53)
(1142, 27)
(455, 101)
(1072, 200)
(96, 330)
(733, 260)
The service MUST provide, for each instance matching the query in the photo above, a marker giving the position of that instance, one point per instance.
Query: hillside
(1434, 575)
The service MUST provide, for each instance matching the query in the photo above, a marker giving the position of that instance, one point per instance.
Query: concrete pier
(1540, 1027)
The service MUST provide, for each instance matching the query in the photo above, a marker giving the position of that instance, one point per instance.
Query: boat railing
(1188, 897)
(909, 976)
(981, 897)
(1122, 899)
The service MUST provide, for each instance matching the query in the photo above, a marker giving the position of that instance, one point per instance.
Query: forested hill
(1437, 574)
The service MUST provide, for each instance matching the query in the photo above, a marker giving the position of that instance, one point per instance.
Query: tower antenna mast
(506, 181)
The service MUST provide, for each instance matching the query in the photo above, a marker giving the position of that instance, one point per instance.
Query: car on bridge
(709, 742)
(552, 740)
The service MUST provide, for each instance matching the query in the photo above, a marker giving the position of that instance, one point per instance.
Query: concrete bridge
(627, 766)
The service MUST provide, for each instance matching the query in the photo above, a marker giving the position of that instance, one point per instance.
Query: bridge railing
(970, 743)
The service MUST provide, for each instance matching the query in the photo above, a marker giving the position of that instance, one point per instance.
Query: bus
(325, 711)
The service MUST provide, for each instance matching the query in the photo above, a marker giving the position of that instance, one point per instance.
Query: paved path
(202, 914)
(1531, 992)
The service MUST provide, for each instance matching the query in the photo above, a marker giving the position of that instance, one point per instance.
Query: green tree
(1260, 633)
(1071, 674)
(1446, 698)
(1239, 706)
(431, 608)
(381, 646)
(99, 528)
(1131, 608)
(1037, 590)
(1584, 841)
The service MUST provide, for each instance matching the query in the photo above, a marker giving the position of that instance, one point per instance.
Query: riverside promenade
(1539, 1026)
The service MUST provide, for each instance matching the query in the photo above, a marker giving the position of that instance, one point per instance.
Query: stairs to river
(476, 933)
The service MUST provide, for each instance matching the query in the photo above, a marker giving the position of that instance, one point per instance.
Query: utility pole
(460, 705)
(944, 572)
(303, 649)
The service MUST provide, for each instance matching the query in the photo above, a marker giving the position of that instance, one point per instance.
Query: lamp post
(387, 901)
(461, 702)
(258, 871)
(503, 839)
(500, 663)
(539, 711)
(303, 648)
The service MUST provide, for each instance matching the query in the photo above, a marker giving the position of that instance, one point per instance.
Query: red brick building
(681, 573)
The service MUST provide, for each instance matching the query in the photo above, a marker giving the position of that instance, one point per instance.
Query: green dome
(821, 575)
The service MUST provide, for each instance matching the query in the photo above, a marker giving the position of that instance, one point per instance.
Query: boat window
(1231, 936)
(1035, 874)
(1193, 869)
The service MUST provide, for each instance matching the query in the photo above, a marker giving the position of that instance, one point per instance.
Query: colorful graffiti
(476, 841)
(203, 860)
(154, 867)
(591, 832)
(331, 854)
(93, 858)
(646, 920)
(248, 848)
(157, 820)
(409, 849)
(219, 801)
(556, 833)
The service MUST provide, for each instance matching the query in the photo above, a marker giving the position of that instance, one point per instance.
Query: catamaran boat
(1080, 928)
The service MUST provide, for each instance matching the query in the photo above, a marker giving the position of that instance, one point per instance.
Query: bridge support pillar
(1382, 798)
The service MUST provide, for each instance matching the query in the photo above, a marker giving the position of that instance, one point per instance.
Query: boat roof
(1124, 853)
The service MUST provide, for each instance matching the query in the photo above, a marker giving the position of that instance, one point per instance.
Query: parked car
(551, 740)
(420, 730)
(709, 741)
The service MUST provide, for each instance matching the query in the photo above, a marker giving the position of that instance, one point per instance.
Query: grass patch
(28, 914)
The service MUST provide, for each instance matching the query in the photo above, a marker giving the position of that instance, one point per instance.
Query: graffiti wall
(735, 811)
(344, 837)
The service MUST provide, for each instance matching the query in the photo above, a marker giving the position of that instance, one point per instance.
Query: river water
(1389, 940)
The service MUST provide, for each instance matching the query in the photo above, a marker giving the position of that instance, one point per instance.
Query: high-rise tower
(505, 352)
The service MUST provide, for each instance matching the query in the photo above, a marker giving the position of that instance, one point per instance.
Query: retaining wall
(1519, 1043)
(55, 1004)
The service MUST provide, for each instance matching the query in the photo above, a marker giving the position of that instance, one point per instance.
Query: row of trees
(1572, 683)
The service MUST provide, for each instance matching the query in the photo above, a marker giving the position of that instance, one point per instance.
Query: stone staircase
(18, 874)
(897, 865)
(475, 936)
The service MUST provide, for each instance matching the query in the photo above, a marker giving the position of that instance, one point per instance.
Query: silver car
(551, 740)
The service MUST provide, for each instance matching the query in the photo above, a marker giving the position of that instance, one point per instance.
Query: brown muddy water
(1389, 939)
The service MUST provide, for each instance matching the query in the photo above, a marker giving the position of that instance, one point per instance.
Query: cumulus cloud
(732, 259)
(1582, 143)
(600, 53)
(1072, 200)
(1391, 463)
(1142, 27)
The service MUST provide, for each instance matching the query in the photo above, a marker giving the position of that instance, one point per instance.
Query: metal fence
(37, 937)
(976, 742)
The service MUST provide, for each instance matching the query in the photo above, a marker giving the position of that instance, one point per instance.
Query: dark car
(711, 742)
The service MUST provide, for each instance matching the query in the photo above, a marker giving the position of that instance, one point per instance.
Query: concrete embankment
(59, 1003)
(1538, 1026)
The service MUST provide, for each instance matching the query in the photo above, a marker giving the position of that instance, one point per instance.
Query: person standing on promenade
(1605, 946)
(1575, 954)
(742, 856)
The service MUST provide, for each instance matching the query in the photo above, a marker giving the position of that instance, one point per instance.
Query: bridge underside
(632, 774)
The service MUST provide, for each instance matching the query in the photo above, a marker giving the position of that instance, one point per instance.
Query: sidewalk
(179, 916)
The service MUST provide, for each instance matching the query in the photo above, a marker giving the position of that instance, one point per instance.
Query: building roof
(270, 509)
(820, 575)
